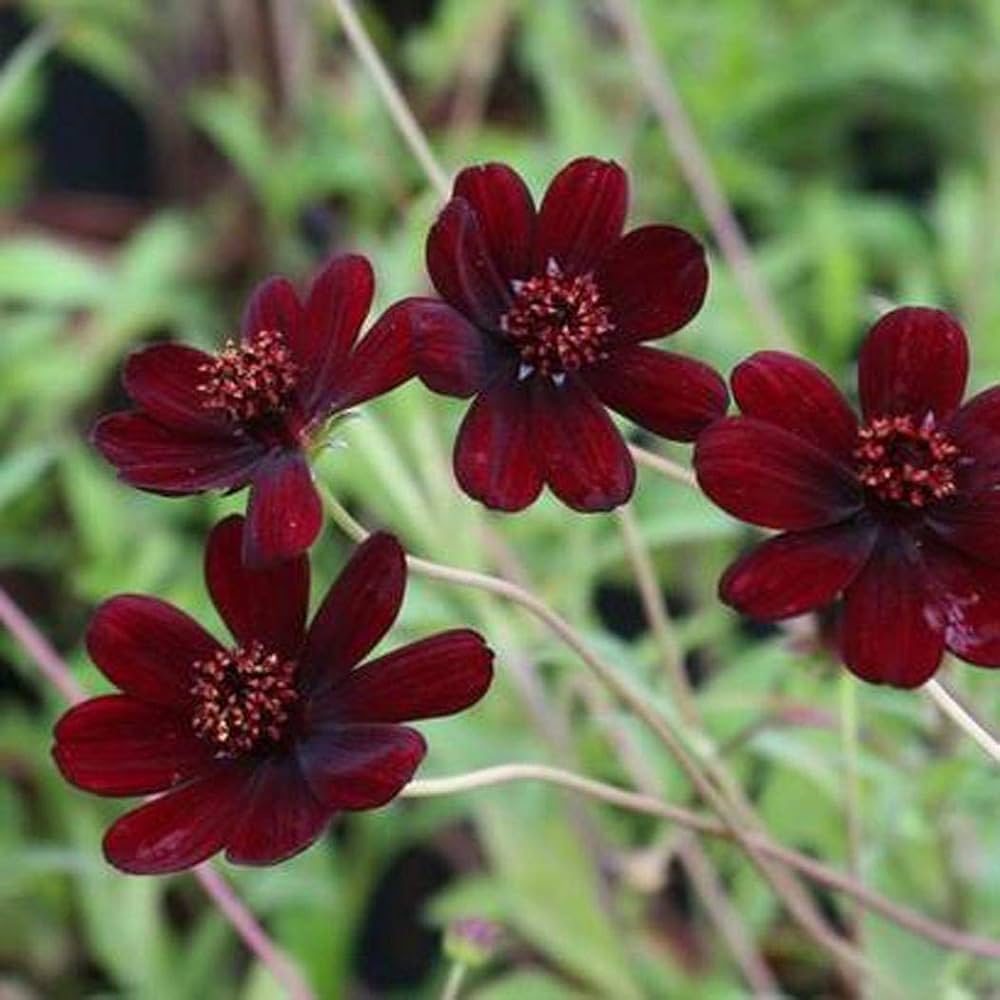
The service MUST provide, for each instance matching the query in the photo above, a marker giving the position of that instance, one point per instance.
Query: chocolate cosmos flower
(543, 322)
(897, 512)
(258, 744)
(247, 415)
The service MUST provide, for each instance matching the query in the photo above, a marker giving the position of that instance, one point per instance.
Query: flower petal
(116, 745)
(970, 523)
(280, 818)
(274, 305)
(586, 462)
(163, 380)
(495, 460)
(581, 216)
(506, 214)
(667, 393)
(360, 766)
(451, 355)
(887, 633)
(439, 675)
(285, 514)
(181, 828)
(462, 268)
(268, 605)
(914, 360)
(975, 429)
(797, 572)
(357, 611)
(147, 647)
(795, 395)
(653, 280)
(765, 475)
(151, 456)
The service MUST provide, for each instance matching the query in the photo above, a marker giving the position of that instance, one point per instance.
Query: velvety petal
(181, 828)
(147, 647)
(975, 429)
(771, 477)
(797, 572)
(461, 266)
(794, 394)
(151, 456)
(436, 676)
(274, 305)
(586, 462)
(268, 605)
(356, 613)
(451, 355)
(338, 303)
(506, 214)
(966, 604)
(285, 513)
(116, 745)
(654, 280)
(496, 460)
(887, 632)
(163, 380)
(280, 818)
(360, 766)
(581, 216)
(668, 394)
(970, 523)
(914, 360)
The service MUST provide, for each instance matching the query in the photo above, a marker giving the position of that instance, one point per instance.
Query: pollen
(905, 462)
(558, 323)
(250, 380)
(242, 698)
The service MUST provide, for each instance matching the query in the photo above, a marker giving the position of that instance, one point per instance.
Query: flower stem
(964, 719)
(452, 986)
(664, 466)
(852, 793)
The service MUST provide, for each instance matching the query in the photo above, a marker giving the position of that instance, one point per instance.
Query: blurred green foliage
(860, 145)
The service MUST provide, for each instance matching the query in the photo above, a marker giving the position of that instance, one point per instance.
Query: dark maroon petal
(274, 306)
(795, 395)
(357, 611)
(797, 572)
(581, 216)
(462, 268)
(181, 828)
(496, 461)
(506, 214)
(151, 456)
(654, 279)
(338, 303)
(281, 816)
(267, 605)
(970, 523)
(975, 429)
(360, 766)
(163, 380)
(451, 355)
(587, 464)
(771, 477)
(914, 360)
(668, 394)
(966, 603)
(116, 745)
(285, 513)
(147, 647)
(436, 676)
(887, 632)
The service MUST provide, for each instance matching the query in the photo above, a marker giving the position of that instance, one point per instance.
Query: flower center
(242, 698)
(904, 462)
(250, 380)
(557, 323)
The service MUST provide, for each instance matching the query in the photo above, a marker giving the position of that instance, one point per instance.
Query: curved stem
(664, 466)
(941, 934)
(964, 719)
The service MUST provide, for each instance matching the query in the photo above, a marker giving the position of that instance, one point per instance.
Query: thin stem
(54, 669)
(940, 934)
(852, 792)
(452, 986)
(697, 169)
(964, 719)
(664, 466)
(396, 104)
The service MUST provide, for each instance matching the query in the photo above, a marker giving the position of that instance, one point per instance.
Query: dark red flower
(258, 744)
(897, 512)
(248, 415)
(543, 322)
